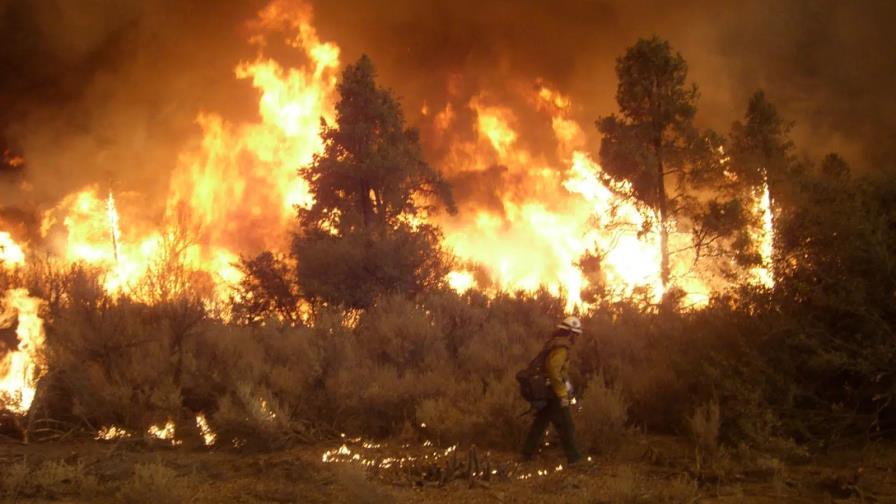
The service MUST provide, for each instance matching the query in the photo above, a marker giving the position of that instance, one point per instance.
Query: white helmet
(572, 324)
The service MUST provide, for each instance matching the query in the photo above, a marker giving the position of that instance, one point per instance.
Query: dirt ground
(354, 470)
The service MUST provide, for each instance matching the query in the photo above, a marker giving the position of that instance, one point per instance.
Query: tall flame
(765, 237)
(537, 237)
(114, 229)
(235, 190)
(20, 369)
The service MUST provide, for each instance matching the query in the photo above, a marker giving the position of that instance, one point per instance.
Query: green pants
(560, 416)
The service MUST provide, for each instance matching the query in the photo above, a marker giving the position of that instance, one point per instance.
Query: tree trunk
(364, 201)
(664, 231)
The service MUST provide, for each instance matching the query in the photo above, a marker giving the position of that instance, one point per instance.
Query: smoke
(107, 91)
(827, 65)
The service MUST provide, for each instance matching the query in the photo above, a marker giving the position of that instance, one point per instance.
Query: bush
(602, 416)
(469, 413)
(154, 483)
(704, 427)
(447, 359)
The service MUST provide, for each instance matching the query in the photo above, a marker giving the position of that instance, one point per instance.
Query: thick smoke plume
(107, 91)
(828, 65)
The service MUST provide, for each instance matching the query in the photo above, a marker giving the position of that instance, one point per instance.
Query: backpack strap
(539, 360)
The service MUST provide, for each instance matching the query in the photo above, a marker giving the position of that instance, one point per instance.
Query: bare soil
(646, 469)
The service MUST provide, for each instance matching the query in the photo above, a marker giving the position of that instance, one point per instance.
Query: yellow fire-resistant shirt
(555, 365)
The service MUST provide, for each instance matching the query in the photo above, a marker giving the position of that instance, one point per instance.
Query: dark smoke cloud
(107, 90)
(829, 65)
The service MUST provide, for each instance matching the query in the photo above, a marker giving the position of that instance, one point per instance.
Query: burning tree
(762, 154)
(366, 232)
(655, 148)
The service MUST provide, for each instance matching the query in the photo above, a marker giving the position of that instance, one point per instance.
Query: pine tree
(366, 233)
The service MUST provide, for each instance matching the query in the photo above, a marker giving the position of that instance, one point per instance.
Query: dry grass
(155, 483)
(52, 479)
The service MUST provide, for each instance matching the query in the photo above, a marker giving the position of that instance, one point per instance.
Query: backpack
(534, 383)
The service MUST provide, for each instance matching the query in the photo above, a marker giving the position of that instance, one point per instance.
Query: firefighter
(556, 358)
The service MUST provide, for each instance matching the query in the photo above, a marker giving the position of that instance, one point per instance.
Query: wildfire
(20, 369)
(235, 190)
(163, 432)
(539, 234)
(765, 236)
(112, 433)
(11, 254)
(208, 436)
(234, 193)
(114, 229)
(461, 281)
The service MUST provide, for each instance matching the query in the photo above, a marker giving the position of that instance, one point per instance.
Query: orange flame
(11, 254)
(114, 229)
(537, 238)
(237, 189)
(765, 237)
(163, 432)
(208, 435)
(20, 369)
(236, 192)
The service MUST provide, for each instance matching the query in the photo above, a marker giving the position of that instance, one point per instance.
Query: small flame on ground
(112, 433)
(208, 436)
(163, 432)
(369, 455)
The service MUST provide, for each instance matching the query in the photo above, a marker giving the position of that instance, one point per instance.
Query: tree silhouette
(654, 135)
(366, 233)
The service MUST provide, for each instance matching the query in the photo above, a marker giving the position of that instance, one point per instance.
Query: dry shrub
(257, 384)
(704, 426)
(624, 485)
(680, 489)
(14, 479)
(367, 372)
(120, 360)
(400, 333)
(488, 414)
(372, 400)
(154, 483)
(253, 416)
(602, 416)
